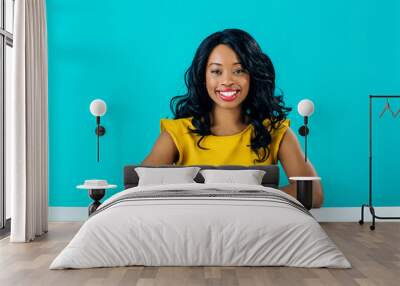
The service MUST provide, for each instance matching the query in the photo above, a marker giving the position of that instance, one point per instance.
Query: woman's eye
(240, 71)
(216, 71)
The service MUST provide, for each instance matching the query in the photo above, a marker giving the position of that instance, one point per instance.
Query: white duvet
(185, 231)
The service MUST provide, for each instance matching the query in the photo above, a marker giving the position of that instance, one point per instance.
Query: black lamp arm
(100, 131)
(303, 131)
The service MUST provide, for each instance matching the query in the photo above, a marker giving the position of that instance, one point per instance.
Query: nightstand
(304, 190)
(96, 190)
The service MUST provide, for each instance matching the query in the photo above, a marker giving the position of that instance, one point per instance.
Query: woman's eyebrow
(218, 64)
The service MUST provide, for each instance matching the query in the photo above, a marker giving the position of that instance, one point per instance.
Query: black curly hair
(261, 102)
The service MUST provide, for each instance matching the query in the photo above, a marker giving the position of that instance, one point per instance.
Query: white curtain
(27, 124)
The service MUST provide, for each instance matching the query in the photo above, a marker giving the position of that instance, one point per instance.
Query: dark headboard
(271, 177)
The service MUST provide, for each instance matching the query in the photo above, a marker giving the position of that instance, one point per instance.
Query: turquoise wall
(133, 54)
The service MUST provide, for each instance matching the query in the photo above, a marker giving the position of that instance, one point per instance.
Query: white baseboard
(68, 213)
(352, 214)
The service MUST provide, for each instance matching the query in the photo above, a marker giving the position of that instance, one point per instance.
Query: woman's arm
(292, 159)
(164, 151)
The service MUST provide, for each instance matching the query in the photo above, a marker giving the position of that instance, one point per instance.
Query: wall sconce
(305, 109)
(98, 108)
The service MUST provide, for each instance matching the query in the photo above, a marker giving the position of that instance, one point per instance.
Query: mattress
(201, 225)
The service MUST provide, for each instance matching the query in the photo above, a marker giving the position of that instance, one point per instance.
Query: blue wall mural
(133, 55)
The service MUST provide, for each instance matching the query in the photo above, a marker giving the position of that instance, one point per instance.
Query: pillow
(163, 176)
(249, 177)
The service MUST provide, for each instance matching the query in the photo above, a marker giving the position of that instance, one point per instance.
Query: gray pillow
(248, 177)
(163, 176)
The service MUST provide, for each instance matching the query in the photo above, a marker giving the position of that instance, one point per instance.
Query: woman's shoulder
(180, 121)
(280, 127)
(284, 123)
(175, 124)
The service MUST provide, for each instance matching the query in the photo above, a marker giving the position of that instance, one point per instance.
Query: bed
(201, 224)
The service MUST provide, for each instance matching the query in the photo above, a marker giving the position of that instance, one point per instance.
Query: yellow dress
(222, 150)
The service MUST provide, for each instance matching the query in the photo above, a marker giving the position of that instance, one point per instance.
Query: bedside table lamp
(305, 109)
(98, 108)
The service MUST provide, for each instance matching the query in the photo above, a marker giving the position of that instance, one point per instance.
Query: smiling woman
(230, 114)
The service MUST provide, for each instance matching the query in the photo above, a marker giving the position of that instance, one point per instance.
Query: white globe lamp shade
(98, 107)
(305, 107)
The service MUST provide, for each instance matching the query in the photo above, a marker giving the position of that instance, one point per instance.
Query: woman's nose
(227, 79)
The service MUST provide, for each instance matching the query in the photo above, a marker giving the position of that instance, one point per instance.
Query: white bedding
(182, 231)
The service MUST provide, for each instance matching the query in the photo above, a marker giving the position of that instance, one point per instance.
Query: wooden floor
(374, 255)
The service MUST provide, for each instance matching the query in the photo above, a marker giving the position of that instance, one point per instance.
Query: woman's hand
(292, 159)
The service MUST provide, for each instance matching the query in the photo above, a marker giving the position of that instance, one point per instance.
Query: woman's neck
(226, 121)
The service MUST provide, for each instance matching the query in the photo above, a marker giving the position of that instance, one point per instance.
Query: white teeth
(228, 94)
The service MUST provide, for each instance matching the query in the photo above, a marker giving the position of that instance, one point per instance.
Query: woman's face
(227, 82)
